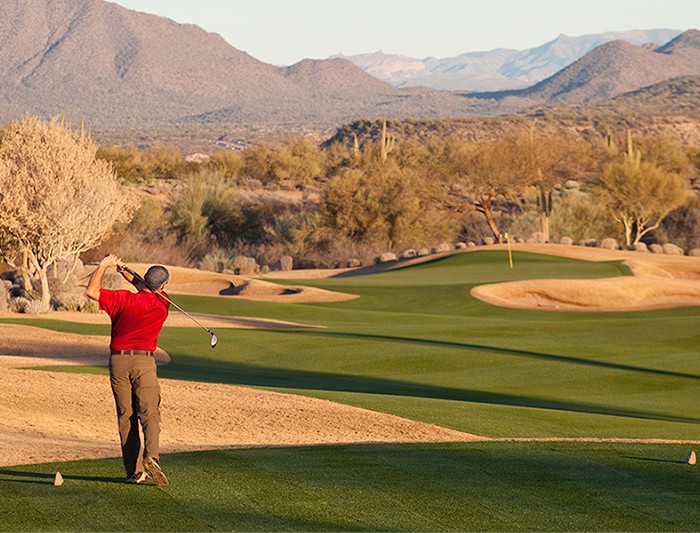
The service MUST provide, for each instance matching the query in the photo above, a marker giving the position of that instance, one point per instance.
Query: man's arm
(129, 276)
(95, 284)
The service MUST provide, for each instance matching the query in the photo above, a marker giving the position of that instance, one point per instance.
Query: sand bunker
(197, 282)
(608, 294)
(55, 416)
(659, 282)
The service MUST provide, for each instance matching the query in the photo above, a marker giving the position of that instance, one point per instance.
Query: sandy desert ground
(52, 416)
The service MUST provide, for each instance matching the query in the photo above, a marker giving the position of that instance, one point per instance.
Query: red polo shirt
(137, 318)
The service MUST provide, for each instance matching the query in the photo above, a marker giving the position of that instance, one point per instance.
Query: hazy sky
(283, 32)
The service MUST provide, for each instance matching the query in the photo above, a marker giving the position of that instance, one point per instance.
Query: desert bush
(217, 260)
(148, 238)
(227, 163)
(34, 307)
(297, 161)
(206, 214)
(126, 162)
(19, 304)
(383, 207)
(682, 226)
(521, 226)
(162, 162)
(579, 218)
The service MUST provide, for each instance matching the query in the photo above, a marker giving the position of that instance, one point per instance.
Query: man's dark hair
(156, 276)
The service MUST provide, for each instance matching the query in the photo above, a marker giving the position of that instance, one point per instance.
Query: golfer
(137, 319)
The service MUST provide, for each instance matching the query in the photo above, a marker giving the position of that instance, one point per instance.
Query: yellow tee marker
(510, 254)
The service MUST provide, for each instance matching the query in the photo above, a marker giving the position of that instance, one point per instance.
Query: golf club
(137, 277)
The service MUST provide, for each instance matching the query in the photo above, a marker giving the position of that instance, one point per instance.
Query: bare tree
(641, 193)
(56, 199)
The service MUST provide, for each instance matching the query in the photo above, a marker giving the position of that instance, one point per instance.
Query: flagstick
(510, 254)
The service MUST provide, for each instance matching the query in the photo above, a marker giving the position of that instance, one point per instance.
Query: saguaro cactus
(386, 142)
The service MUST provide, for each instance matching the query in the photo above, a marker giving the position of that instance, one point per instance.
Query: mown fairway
(418, 345)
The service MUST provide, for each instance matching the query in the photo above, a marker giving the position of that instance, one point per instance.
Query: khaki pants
(137, 395)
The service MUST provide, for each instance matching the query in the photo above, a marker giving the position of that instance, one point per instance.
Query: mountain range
(499, 69)
(121, 69)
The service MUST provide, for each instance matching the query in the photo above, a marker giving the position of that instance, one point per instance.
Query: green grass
(416, 344)
(438, 487)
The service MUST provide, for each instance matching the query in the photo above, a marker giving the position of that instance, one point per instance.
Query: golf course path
(55, 416)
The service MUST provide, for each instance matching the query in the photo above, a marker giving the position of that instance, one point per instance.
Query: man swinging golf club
(137, 319)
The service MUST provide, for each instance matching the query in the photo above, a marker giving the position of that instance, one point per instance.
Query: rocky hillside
(126, 71)
(119, 67)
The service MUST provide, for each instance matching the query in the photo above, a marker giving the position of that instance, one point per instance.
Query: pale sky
(283, 32)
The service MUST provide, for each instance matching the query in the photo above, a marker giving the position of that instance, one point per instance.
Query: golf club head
(214, 340)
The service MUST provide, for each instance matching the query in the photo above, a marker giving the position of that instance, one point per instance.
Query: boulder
(423, 252)
(245, 266)
(471, 244)
(568, 241)
(489, 240)
(286, 263)
(656, 248)
(442, 248)
(641, 247)
(354, 263)
(460, 246)
(538, 237)
(672, 249)
(409, 254)
(609, 244)
(695, 252)
(386, 257)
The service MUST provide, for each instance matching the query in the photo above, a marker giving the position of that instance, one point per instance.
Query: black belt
(132, 352)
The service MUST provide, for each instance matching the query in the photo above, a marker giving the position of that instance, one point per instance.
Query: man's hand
(95, 284)
(110, 261)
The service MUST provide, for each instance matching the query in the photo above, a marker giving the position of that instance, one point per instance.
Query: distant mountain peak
(616, 67)
(498, 69)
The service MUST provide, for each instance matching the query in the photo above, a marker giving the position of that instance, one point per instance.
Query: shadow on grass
(654, 460)
(193, 368)
(39, 478)
(503, 351)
